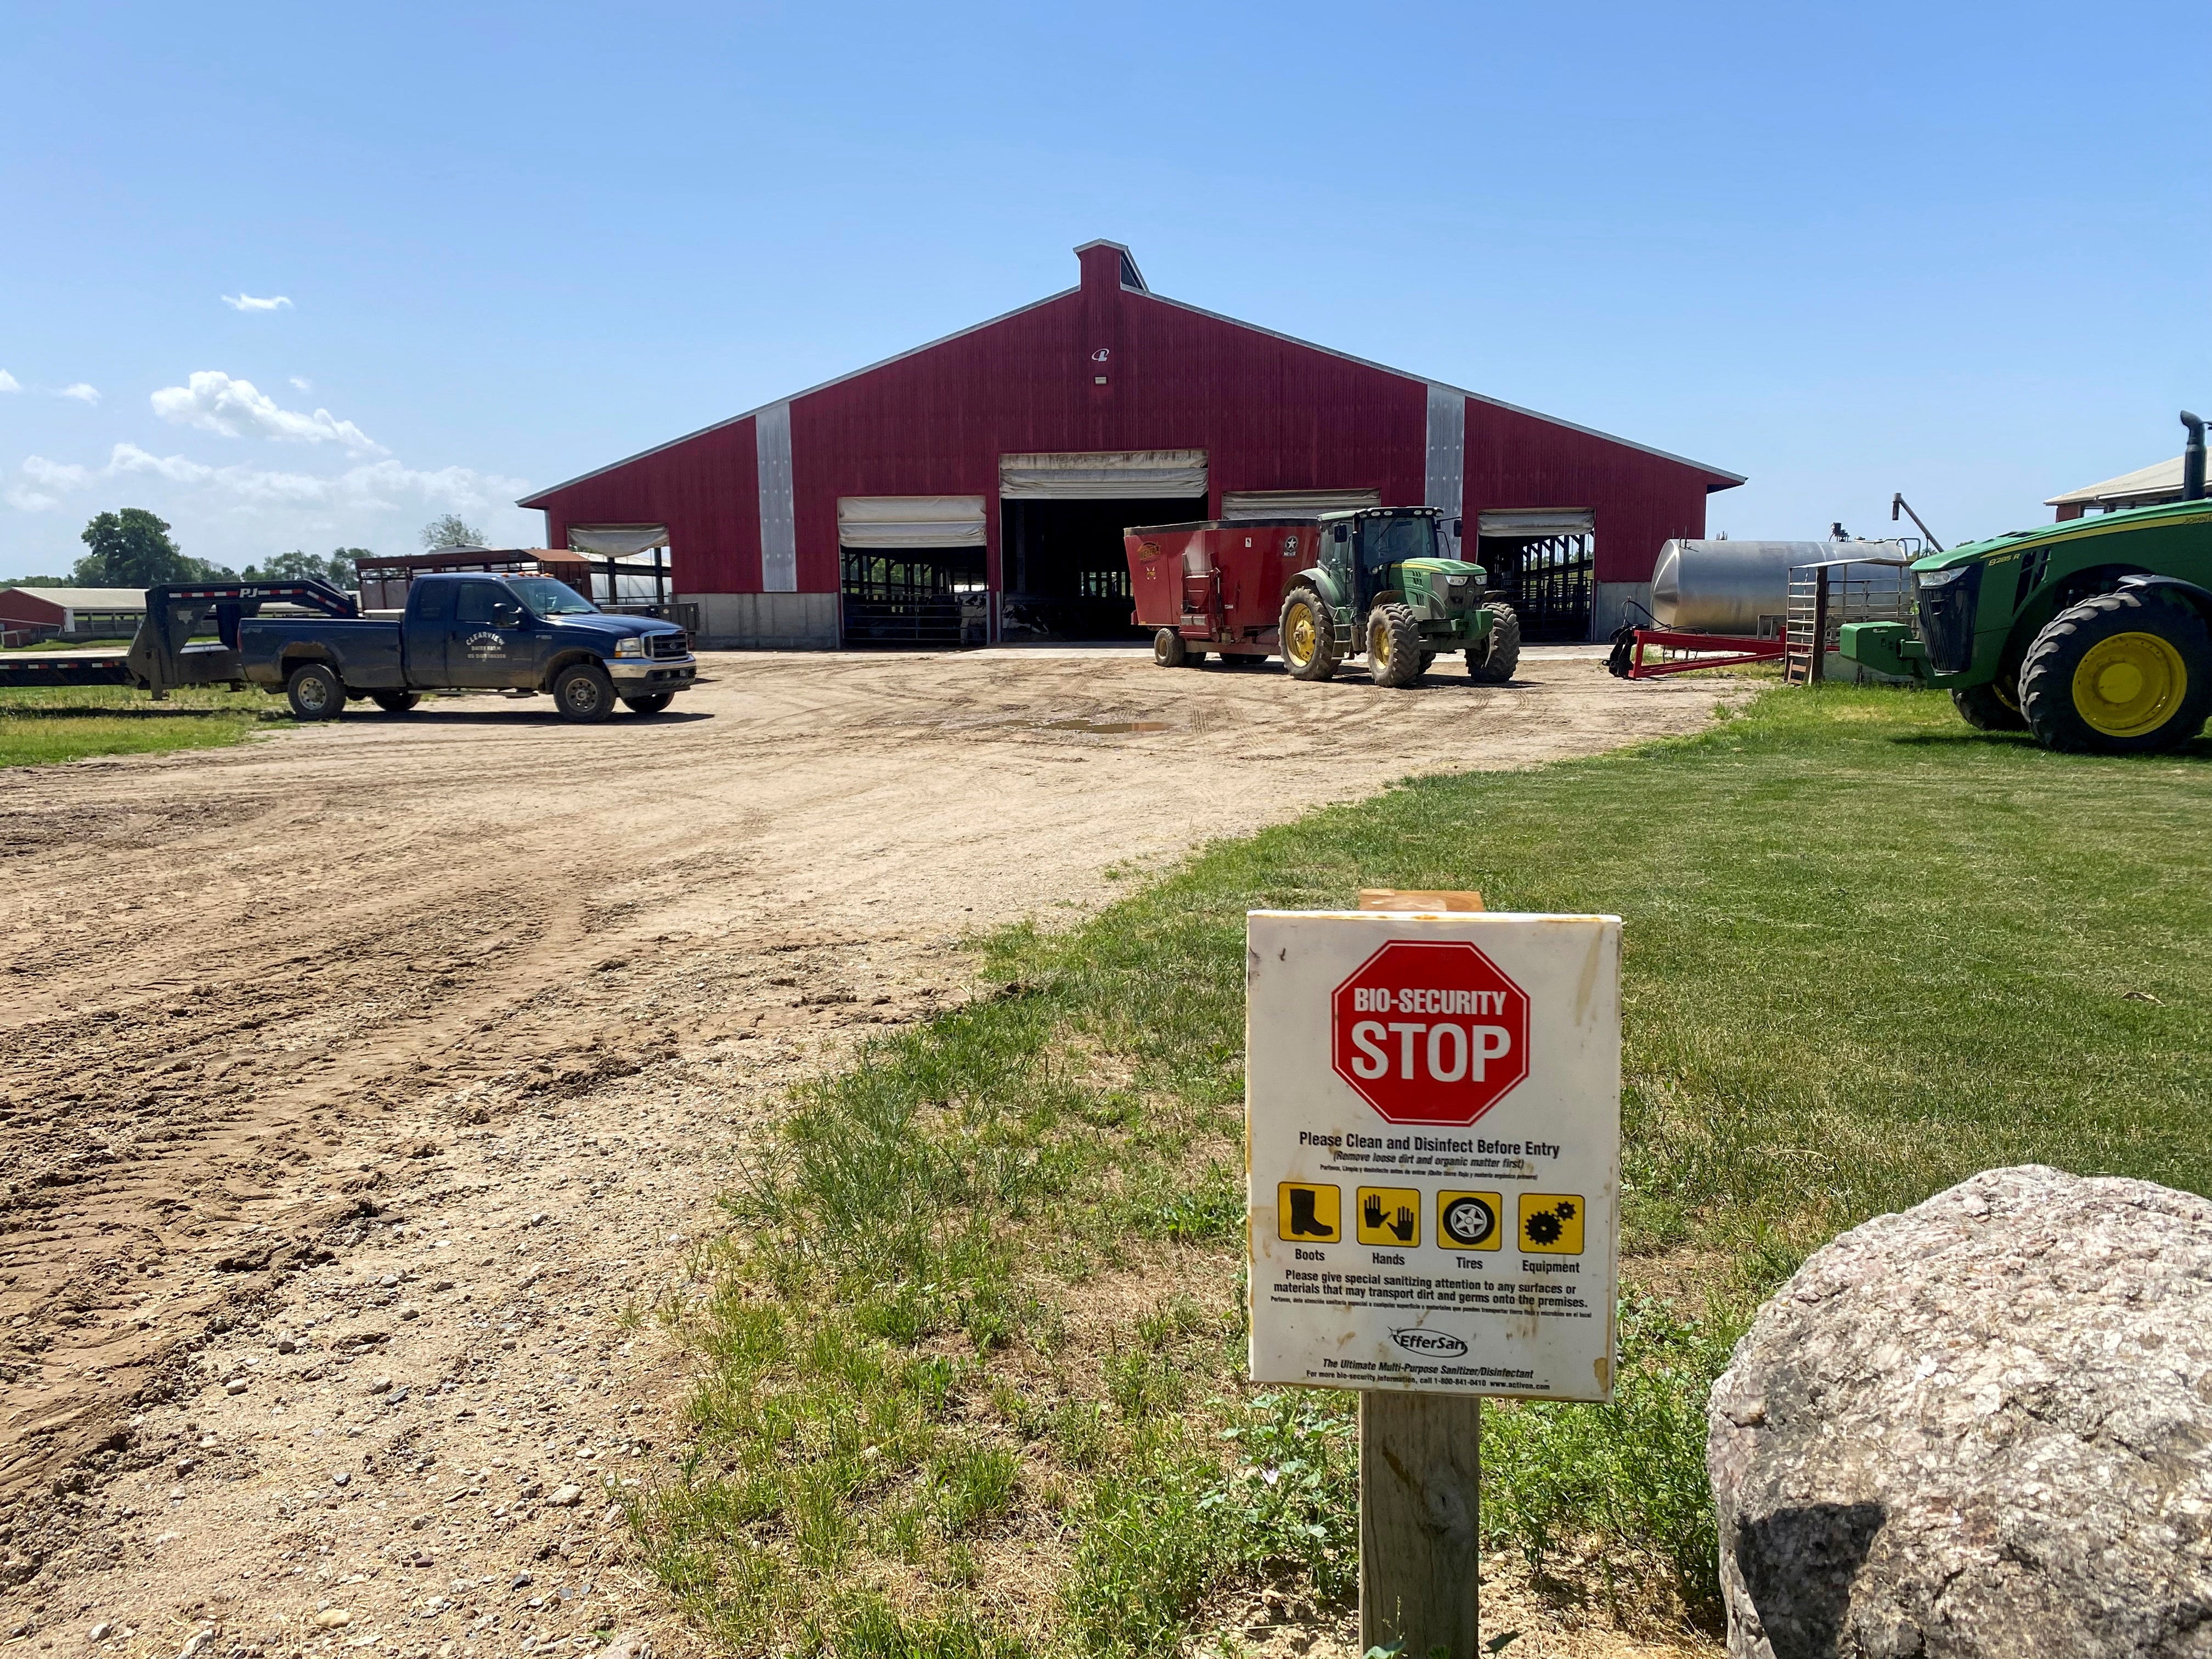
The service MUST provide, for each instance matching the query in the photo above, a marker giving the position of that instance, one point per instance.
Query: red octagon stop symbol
(1430, 1033)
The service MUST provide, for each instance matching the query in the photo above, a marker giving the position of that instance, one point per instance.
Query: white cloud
(81, 391)
(216, 402)
(301, 383)
(8, 382)
(250, 302)
(372, 486)
(47, 482)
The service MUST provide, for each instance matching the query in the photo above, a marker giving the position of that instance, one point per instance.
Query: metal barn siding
(1109, 366)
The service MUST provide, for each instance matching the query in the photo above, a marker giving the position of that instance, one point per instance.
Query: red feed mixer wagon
(1217, 587)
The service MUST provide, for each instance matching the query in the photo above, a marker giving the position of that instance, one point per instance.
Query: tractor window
(1387, 541)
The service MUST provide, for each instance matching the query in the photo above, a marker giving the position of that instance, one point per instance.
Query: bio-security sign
(1433, 1122)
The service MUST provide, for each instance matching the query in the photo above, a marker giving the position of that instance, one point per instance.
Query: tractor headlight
(632, 646)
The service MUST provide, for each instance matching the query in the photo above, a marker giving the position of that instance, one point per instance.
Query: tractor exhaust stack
(2192, 458)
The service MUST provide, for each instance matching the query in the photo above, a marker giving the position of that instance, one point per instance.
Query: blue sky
(1955, 250)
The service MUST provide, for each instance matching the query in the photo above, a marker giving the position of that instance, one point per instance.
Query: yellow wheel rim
(1299, 647)
(1378, 645)
(2130, 685)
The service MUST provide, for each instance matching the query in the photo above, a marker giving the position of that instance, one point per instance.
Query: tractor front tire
(2118, 674)
(1984, 707)
(315, 692)
(1308, 635)
(583, 693)
(1168, 650)
(1496, 666)
(395, 702)
(1393, 645)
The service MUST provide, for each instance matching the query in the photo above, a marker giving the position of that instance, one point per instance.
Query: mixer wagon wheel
(2121, 673)
(1984, 707)
(1504, 655)
(1308, 635)
(1167, 648)
(1393, 645)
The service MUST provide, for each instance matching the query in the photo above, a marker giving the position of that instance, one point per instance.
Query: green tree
(452, 531)
(133, 548)
(337, 569)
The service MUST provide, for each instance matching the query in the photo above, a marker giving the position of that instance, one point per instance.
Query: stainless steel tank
(1741, 588)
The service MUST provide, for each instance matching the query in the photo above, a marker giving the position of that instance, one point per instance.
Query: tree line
(133, 548)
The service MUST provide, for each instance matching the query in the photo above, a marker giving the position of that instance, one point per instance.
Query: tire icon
(1469, 1222)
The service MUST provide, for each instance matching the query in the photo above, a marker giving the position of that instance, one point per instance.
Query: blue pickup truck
(472, 633)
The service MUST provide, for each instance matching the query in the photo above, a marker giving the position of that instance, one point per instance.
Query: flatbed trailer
(100, 666)
(164, 655)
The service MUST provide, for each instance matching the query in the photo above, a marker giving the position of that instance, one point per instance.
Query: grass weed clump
(42, 726)
(972, 1383)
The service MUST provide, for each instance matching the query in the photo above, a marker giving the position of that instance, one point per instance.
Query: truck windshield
(1387, 541)
(548, 598)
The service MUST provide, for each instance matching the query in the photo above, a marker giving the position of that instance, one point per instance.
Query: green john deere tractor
(1388, 584)
(2094, 634)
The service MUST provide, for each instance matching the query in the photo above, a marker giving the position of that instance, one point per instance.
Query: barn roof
(1133, 284)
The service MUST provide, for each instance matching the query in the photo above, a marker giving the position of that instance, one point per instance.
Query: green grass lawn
(39, 725)
(972, 1349)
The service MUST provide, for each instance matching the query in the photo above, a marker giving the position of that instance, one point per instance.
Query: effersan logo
(1428, 1342)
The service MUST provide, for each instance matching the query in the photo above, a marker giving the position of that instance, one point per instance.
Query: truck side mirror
(506, 613)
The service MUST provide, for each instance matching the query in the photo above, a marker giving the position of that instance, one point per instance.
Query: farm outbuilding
(977, 488)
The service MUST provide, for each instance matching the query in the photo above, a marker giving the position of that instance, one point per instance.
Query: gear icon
(1543, 1228)
(1566, 1211)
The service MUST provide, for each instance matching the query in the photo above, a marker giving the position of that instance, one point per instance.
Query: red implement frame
(1734, 651)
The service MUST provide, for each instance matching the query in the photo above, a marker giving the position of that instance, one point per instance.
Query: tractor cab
(1395, 551)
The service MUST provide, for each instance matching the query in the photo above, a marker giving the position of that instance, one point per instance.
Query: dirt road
(359, 1081)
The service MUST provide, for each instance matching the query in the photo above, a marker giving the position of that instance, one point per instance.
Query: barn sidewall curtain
(1102, 475)
(1295, 503)
(895, 521)
(617, 541)
(1536, 522)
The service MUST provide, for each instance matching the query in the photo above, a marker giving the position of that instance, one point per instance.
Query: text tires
(651, 703)
(315, 692)
(2120, 673)
(395, 702)
(1496, 666)
(1985, 708)
(1308, 635)
(582, 692)
(1393, 645)
(1167, 648)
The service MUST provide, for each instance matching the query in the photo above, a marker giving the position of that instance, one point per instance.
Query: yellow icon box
(1306, 1214)
(1469, 1221)
(1551, 1224)
(1389, 1215)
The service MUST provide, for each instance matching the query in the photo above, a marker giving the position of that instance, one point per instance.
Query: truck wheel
(1393, 645)
(1167, 648)
(315, 692)
(1308, 635)
(582, 691)
(1984, 707)
(395, 702)
(1504, 655)
(2122, 673)
(651, 703)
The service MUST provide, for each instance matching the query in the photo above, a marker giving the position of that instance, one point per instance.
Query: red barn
(977, 488)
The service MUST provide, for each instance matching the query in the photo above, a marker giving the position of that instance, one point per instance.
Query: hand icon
(1402, 1225)
(1372, 1213)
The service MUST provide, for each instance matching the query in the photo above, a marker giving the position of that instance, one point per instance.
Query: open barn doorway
(1064, 572)
(912, 570)
(1541, 562)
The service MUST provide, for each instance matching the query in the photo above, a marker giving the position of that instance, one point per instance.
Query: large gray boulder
(1978, 1428)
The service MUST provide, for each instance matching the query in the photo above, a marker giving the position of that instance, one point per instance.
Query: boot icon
(1309, 1214)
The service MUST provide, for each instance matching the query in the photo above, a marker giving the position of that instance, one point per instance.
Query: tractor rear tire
(1308, 635)
(583, 693)
(1394, 646)
(315, 692)
(1168, 650)
(1984, 707)
(1427, 658)
(2122, 673)
(395, 702)
(1496, 666)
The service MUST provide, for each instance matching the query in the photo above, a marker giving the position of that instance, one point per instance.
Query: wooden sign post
(1433, 1147)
